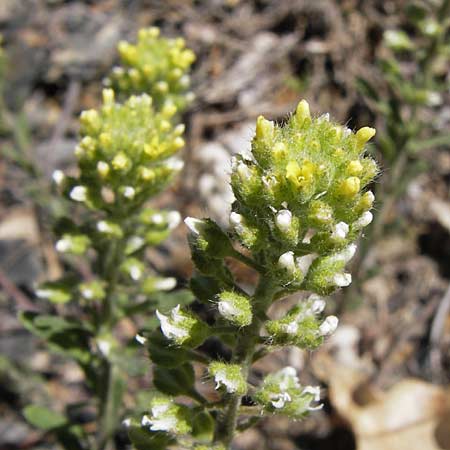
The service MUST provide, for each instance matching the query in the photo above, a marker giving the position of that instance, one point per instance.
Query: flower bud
(167, 416)
(133, 267)
(79, 193)
(92, 290)
(109, 228)
(283, 220)
(155, 284)
(350, 187)
(363, 135)
(286, 262)
(302, 112)
(103, 169)
(264, 129)
(76, 244)
(329, 325)
(365, 219)
(340, 231)
(58, 177)
(182, 327)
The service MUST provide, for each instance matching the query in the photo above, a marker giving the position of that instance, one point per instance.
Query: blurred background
(385, 373)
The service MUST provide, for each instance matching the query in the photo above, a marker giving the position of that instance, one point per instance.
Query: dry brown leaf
(412, 415)
(20, 223)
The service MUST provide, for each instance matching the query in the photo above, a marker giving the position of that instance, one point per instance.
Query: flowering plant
(127, 153)
(301, 203)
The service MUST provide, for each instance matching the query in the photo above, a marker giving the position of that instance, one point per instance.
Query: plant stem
(108, 377)
(245, 350)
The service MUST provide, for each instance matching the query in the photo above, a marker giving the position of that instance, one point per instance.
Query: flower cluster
(282, 393)
(301, 327)
(155, 65)
(167, 416)
(302, 189)
(124, 154)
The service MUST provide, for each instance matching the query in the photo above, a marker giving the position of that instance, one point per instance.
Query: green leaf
(204, 288)
(165, 301)
(164, 353)
(44, 418)
(367, 89)
(68, 336)
(203, 427)
(174, 381)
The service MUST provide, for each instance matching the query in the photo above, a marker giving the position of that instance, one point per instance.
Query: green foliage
(405, 91)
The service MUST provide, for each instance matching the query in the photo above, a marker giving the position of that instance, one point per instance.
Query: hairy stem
(243, 356)
(109, 377)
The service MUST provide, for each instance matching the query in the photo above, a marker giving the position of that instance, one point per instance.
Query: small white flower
(365, 219)
(286, 261)
(304, 262)
(283, 220)
(103, 226)
(346, 254)
(346, 132)
(221, 378)
(104, 347)
(340, 231)
(279, 400)
(44, 293)
(126, 423)
(167, 423)
(63, 245)
(237, 221)
(173, 219)
(145, 421)
(194, 225)
(165, 284)
(87, 293)
(315, 391)
(291, 327)
(157, 219)
(175, 164)
(78, 193)
(135, 272)
(58, 177)
(317, 304)
(342, 279)
(228, 310)
(243, 171)
(328, 326)
(135, 242)
(288, 376)
(169, 326)
(129, 192)
(102, 168)
(434, 99)
(141, 339)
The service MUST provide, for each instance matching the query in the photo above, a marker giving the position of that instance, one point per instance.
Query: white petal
(328, 326)
(286, 261)
(283, 220)
(194, 225)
